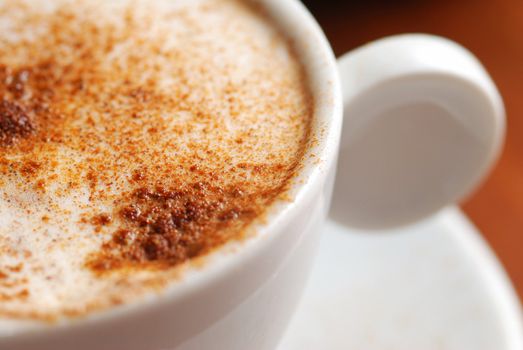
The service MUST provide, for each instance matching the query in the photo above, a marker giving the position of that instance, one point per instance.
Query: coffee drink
(135, 138)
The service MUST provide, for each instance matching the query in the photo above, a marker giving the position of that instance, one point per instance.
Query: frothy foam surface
(134, 136)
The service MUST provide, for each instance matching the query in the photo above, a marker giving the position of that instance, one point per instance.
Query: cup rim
(314, 52)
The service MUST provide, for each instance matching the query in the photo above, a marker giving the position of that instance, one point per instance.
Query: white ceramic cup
(423, 124)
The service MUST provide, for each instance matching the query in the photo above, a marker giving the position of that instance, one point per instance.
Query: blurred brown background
(493, 31)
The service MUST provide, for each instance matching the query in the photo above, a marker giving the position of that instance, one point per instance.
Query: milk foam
(144, 94)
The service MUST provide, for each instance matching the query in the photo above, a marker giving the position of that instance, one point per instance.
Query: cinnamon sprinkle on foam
(135, 137)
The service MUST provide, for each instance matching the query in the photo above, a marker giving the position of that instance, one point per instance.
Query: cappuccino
(135, 137)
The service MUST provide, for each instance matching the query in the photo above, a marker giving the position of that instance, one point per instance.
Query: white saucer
(433, 285)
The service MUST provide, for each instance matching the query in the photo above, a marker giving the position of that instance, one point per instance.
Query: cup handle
(423, 125)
